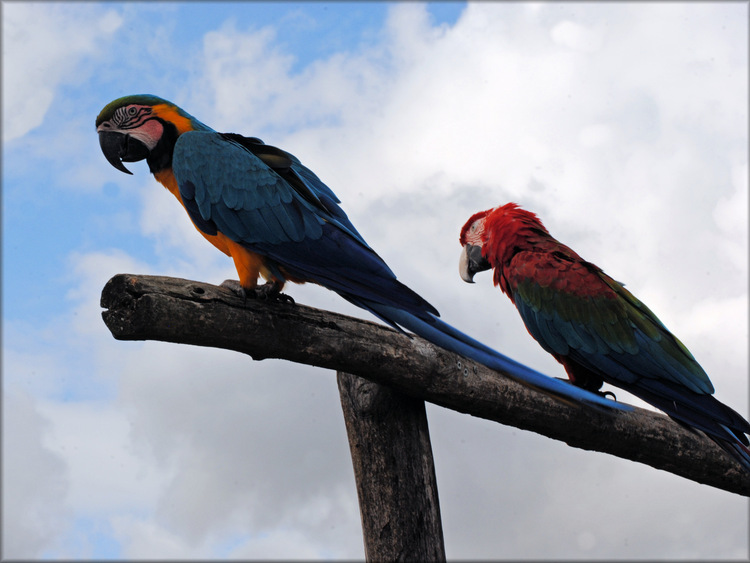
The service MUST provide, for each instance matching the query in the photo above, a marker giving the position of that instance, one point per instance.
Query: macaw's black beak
(471, 262)
(120, 147)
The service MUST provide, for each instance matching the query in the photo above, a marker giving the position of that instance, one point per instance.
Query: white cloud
(35, 480)
(229, 55)
(90, 272)
(42, 47)
(105, 474)
(731, 216)
(577, 37)
(225, 436)
(596, 135)
(546, 511)
(67, 456)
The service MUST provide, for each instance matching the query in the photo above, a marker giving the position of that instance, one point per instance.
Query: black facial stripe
(130, 117)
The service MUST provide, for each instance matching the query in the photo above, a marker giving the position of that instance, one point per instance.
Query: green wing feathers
(572, 308)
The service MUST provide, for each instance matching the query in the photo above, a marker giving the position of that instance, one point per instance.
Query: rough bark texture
(176, 310)
(393, 467)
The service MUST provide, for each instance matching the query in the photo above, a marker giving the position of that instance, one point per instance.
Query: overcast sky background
(624, 126)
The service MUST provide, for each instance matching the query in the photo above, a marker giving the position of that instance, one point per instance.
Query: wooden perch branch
(188, 312)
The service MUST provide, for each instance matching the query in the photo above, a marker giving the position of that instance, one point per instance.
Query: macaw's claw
(270, 291)
(235, 287)
(605, 393)
(284, 298)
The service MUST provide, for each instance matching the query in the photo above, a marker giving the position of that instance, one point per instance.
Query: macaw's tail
(719, 422)
(736, 449)
(342, 262)
(444, 335)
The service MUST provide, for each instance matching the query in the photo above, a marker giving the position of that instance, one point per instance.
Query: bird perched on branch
(592, 325)
(279, 221)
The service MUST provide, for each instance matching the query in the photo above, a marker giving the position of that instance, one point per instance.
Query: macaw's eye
(132, 110)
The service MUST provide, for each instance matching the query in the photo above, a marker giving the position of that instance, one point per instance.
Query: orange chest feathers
(249, 265)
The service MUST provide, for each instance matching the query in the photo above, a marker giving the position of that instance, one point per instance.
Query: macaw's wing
(301, 178)
(577, 312)
(574, 309)
(266, 200)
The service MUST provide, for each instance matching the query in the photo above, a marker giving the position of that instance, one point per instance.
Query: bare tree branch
(187, 312)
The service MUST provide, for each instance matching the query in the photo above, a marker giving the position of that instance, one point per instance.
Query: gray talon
(235, 287)
(269, 291)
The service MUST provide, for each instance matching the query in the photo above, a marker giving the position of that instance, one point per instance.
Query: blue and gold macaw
(278, 220)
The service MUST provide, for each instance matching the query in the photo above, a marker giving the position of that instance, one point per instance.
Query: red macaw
(276, 219)
(594, 326)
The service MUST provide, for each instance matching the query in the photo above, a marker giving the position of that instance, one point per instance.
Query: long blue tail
(719, 422)
(735, 448)
(340, 260)
(730, 438)
(444, 335)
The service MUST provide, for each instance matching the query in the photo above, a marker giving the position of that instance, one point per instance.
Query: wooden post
(394, 470)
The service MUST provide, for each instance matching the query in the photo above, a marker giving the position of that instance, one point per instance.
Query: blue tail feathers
(444, 335)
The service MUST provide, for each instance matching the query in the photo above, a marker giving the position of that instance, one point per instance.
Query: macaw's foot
(270, 291)
(603, 394)
(595, 389)
(235, 287)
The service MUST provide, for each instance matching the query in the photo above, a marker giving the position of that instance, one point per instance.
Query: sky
(622, 125)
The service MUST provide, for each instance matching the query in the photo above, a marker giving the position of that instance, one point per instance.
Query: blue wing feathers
(338, 262)
(311, 179)
(288, 221)
(278, 208)
(271, 226)
(293, 219)
(232, 223)
(232, 199)
(550, 340)
(191, 205)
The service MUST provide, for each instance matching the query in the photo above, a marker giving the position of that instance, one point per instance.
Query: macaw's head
(141, 127)
(490, 238)
(472, 240)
